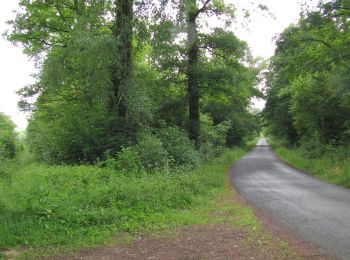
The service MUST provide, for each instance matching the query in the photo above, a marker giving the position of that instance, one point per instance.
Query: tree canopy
(308, 91)
(111, 71)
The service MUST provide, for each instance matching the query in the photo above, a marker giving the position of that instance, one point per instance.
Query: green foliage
(308, 81)
(322, 161)
(73, 122)
(7, 167)
(153, 155)
(100, 86)
(7, 137)
(43, 24)
(179, 147)
(213, 137)
(129, 161)
(72, 206)
(169, 148)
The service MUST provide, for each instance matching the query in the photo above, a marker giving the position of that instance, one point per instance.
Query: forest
(116, 79)
(308, 92)
(137, 110)
(139, 107)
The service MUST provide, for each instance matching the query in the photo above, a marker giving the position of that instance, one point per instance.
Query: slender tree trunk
(123, 66)
(193, 80)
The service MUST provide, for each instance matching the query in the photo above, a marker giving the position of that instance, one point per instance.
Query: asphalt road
(315, 211)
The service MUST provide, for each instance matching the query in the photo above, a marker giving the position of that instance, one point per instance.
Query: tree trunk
(123, 66)
(193, 80)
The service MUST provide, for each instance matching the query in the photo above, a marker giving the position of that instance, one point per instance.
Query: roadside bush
(242, 126)
(152, 153)
(213, 137)
(314, 147)
(129, 161)
(179, 147)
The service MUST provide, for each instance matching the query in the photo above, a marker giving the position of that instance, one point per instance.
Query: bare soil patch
(212, 241)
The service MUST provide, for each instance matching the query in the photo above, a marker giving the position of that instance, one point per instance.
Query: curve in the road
(315, 211)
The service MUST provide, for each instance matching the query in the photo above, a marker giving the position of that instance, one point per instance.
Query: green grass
(47, 209)
(330, 167)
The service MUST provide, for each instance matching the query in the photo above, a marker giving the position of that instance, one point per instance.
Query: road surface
(315, 211)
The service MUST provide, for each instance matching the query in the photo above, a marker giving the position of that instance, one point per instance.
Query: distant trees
(7, 137)
(308, 92)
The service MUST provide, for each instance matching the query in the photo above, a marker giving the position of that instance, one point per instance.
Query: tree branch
(316, 40)
(214, 53)
(202, 9)
(341, 8)
(60, 13)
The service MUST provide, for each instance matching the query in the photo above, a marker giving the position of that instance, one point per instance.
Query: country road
(314, 211)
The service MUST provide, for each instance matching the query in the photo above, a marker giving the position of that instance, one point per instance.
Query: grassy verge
(46, 210)
(330, 167)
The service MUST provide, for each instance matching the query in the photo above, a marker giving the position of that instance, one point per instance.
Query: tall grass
(42, 205)
(331, 166)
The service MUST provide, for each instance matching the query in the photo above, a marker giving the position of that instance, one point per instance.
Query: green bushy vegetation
(7, 137)
(325, 162)
(71, 206)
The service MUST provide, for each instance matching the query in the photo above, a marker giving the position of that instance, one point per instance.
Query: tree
(85, 77)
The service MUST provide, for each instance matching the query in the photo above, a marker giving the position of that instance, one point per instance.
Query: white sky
(15, 68)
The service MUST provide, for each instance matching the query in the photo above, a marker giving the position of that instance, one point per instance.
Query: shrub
(179, 147)
(213, 137)
(7, 137)
(6, 168)
(152, 153)
(314, 147)
(241, 127)
(129, 161)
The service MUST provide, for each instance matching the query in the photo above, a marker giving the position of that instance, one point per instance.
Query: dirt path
(217, 241)
(210, 241)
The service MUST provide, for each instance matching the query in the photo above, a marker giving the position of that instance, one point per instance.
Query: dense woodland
(134, 76)
(308, 93)
(133, 112)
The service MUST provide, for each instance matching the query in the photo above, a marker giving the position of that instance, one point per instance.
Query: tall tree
(193, 9)
(192, 69)
(122, 67)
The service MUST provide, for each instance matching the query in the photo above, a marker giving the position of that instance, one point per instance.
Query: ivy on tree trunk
(193, 80)
(122, 69)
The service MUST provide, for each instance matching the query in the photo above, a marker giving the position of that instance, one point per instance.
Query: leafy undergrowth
(49, 209)
(330, 166)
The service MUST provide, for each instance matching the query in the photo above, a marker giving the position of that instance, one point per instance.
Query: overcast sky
(15, 68)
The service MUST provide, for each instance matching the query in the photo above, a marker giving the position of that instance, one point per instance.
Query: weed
(331, 165)
(44, 206)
